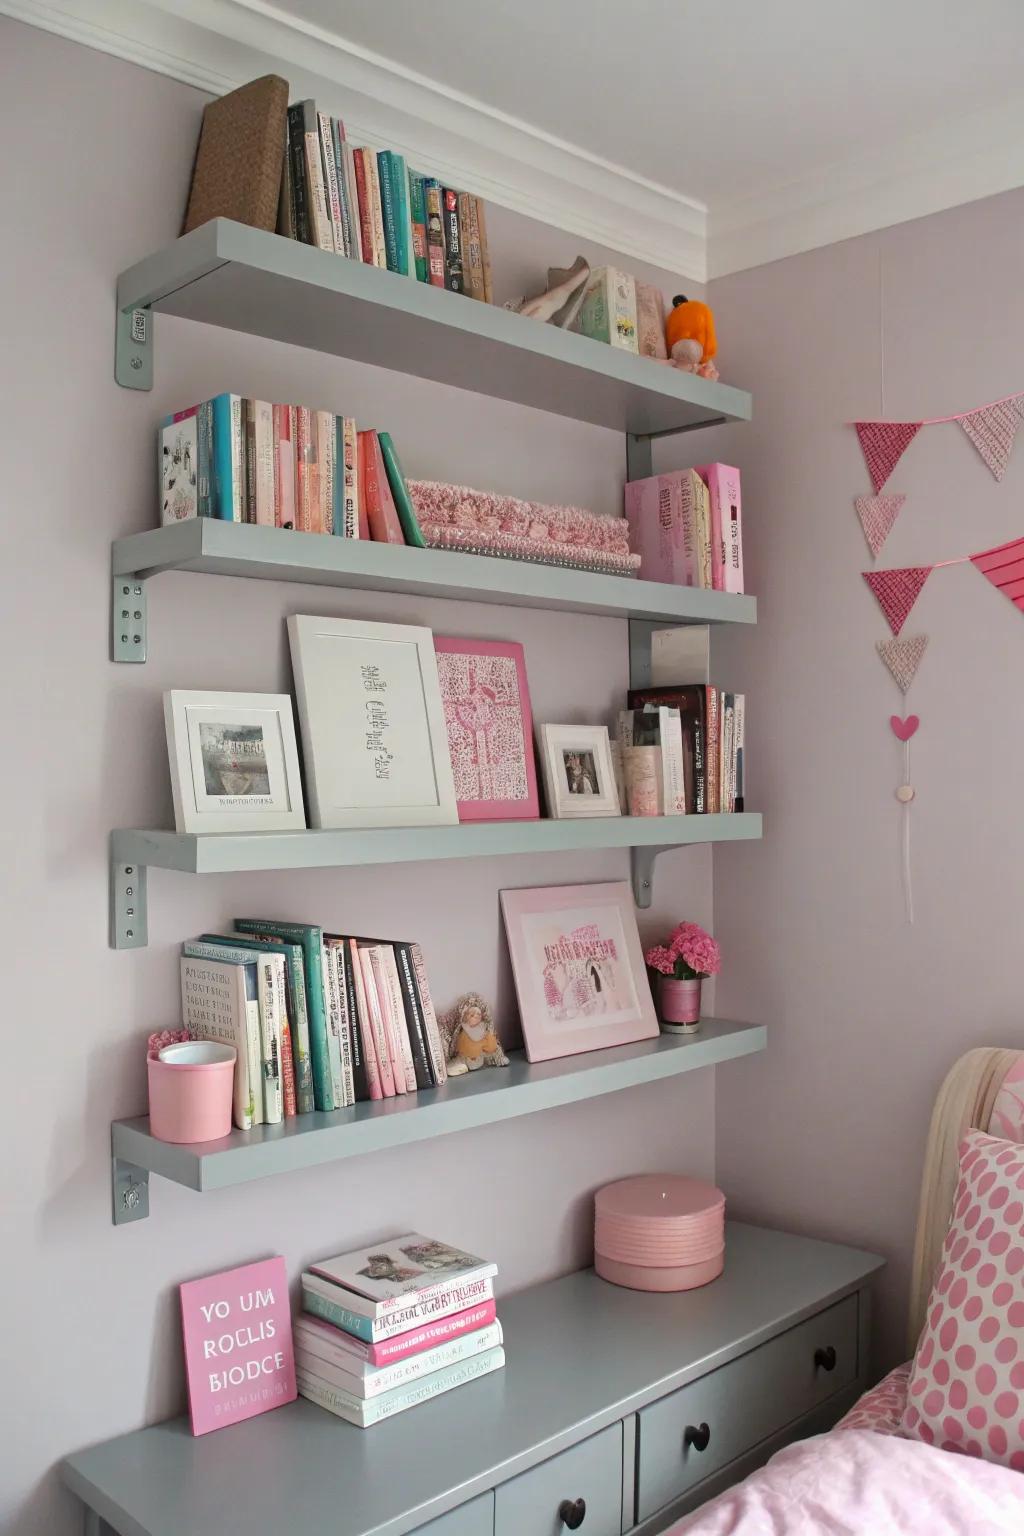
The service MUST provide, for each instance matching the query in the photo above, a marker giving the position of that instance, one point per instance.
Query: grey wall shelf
(281, 554)
(301, 1469)
(133, 852)
(308, 1140)
(249, 280)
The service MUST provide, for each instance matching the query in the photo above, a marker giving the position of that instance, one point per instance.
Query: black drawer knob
(825, 1359)
(572, 1512)
(697, 1435)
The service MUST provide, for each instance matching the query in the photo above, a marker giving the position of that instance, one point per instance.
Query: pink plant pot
(679, 1001)
(190, 1091)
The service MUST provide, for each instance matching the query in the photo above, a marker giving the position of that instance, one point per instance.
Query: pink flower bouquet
(690, 953)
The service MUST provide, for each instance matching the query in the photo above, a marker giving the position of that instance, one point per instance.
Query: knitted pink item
(897, 591)
(162, 1037)
(992, 431)
(903, 657)
(877, 515)
(1004, 568)
(883, 444)
(482, 522)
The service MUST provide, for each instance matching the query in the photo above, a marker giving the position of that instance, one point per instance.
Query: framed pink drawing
(490, 728)
(578, 967)
(238, 1344)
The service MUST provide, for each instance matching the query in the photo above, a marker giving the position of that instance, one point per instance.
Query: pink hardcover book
(390, 988)
(403, 1345)
(388, 1020)
(662, 527)
(385, 1060)
(723, 483)
(373, 1073)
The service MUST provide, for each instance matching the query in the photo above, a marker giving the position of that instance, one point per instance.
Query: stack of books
(622, 312)
(284, 466)
(386, 1328)
(701, 734)
(319, 1021)
(685, 526)
(370, 206)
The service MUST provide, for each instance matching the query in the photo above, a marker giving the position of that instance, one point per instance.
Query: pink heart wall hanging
(904, 729)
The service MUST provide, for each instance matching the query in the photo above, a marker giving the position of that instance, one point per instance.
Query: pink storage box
(659, 1232)
(723, 483)
(191, 1088)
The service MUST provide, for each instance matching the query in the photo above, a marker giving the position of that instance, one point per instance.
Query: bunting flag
(992, 430)
(897, 591)
(877, 515)
(883, 444)
(1004, 568)
(903, 657)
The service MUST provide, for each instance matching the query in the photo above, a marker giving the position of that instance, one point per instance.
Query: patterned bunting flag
(992, 431)
(883, 444)
(903, 657)
(897, 591)
(1004, 568)
(877, 515)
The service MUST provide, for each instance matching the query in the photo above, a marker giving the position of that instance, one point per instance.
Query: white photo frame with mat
(579, 776)
(234, 762)
(373, 734)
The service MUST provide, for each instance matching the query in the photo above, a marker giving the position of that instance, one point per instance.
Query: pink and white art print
(238, 1344)
(579, 969)
(487, 714)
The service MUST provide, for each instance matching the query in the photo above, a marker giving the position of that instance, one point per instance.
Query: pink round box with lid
(659, 1232)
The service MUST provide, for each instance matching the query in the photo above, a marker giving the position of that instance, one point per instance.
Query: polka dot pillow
(966, 1388)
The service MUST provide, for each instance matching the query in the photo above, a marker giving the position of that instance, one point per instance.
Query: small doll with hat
(469, 1037)
(690, 337)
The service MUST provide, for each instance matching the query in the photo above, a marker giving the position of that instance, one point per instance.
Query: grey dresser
(617, 1412)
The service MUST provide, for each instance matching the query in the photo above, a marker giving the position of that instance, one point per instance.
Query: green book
(403, 228)
(298, 1012)
(418, 219)
(388, 208)
(312, 941)
(400, 492)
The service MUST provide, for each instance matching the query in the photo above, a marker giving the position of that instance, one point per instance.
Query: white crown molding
(216, 45)
(955, 162)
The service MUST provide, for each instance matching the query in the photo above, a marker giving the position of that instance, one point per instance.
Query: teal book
(298, 1013)
(403, 226)
(388, 208)
(418, 220)
(311, 939)
(228, 458)
(400, 493)
(341, 1317)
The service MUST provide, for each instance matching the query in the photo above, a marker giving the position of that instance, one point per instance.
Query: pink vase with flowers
(682, 963)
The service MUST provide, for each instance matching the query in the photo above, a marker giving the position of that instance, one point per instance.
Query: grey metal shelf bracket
(129, 619)
(129, 1188)
(641, 865)
(129, 925)
(133, 349)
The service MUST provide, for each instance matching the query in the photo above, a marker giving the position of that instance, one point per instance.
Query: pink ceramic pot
(190, 1091)
(680, 1001)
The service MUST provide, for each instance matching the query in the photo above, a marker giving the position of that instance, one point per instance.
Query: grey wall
(94, 176)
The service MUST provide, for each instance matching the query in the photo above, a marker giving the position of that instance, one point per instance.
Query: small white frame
(374, 741)
(559, 743)
(192, 719)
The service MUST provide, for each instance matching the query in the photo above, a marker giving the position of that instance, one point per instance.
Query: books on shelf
(685, 526)
(388, 1327)
(320, 1021)
(609, 312)
(283, 466)
(701, 731)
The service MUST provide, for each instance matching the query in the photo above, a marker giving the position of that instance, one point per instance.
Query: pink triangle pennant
(897, 591)
(877, 515)
(883, 444)
(903, 657)
(992, 431)
(1004, 568)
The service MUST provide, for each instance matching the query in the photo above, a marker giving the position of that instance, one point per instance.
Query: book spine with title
(349, 1311)
(375, 1409)
(316, 1355)
(310, 938)
(426, 1336)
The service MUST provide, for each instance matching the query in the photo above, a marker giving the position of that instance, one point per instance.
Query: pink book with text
(723, 483)
(662, 527)
(373, 1074)
(385, 1062)
(414, 1341)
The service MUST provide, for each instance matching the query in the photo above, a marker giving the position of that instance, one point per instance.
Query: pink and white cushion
(881, 1408)
(967, 1381)
(1007, 1117)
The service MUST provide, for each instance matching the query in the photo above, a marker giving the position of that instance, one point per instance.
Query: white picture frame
(579, 775)
(373, 732)
(234, 762)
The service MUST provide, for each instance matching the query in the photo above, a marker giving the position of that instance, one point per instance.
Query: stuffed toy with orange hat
(690, 337)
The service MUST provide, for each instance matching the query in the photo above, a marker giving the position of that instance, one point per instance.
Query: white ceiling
(715, 99)
(701, 136)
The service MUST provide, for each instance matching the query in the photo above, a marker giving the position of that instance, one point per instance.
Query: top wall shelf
(249, 280)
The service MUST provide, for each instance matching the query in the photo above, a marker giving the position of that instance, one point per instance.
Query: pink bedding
(861, 1483)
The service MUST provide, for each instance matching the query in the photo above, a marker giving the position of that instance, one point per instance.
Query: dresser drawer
(473, 1519)
(731, 1409)
(585, 1481)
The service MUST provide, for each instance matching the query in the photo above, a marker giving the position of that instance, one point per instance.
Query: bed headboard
(983, 1091)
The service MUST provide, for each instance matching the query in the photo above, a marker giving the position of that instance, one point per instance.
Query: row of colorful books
(283, 466)
(369, 206)
(386, 1328)
(318, 1020)
(686, 528)
(700, 734)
